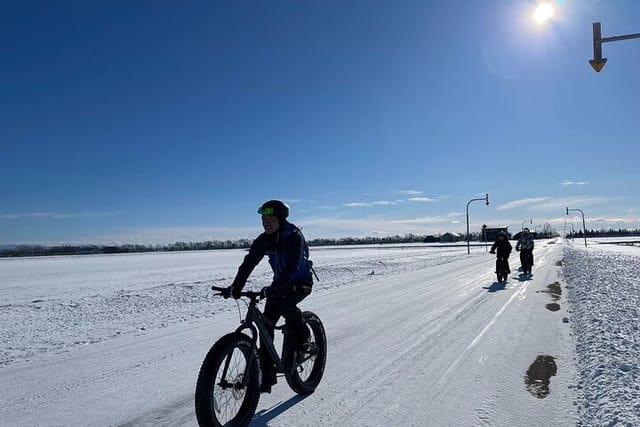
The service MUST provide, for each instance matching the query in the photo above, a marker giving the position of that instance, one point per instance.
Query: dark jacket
(288, 256)
(525, 242)
(503, 247)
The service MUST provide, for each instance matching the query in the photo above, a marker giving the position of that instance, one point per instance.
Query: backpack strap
(306, 252)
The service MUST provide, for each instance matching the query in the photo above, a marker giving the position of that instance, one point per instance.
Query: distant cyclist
(288, 255)
(503, 247)
(525, 246)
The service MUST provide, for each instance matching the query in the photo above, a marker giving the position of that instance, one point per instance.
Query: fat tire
(213, 361)
(289, 357)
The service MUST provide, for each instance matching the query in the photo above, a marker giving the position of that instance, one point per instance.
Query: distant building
(450, 237)
(492, 233)
(431, 239)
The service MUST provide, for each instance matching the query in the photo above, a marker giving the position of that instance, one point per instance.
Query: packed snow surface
(604, 292)
(416, 336)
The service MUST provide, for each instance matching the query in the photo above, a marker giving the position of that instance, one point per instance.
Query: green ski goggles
(266, 211)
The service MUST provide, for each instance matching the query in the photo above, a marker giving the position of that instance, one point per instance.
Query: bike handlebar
(248, 294)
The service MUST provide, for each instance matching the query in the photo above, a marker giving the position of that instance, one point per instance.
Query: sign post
(598, 61)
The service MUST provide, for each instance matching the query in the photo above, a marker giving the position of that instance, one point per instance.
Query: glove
(231, 291)
(517, 249)
(226, 293)
(492, 252)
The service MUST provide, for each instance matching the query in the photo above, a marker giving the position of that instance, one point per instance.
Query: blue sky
(158, 121)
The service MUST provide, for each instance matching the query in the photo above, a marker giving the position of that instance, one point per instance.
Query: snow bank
(604, 291)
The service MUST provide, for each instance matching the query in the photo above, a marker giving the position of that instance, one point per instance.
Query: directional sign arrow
(598, 64)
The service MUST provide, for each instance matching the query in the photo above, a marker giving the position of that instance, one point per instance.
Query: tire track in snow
(520, 294)
(408, 347)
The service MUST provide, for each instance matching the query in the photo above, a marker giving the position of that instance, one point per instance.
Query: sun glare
(543, 13)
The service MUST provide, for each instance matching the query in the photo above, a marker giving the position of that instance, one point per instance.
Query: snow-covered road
(436, 344)
(437, 348)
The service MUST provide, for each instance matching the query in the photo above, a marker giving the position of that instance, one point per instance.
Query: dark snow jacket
(525, 242)
(503, 248)
(288, 256)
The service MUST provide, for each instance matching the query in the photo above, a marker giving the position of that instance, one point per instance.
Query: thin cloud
(600, 221)
(569, 182)
(54, 215)
(21, 216)
(551, 204)
(372, 225)
(438, 219)
(421, 199)
(522, 203)
(571, 202)
(372, 204)
(82, 215)
(411, 192)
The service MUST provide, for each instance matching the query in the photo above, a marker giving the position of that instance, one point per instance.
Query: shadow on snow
(496, 286)
(264, 416)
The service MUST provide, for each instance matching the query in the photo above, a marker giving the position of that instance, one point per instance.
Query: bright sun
(543, 13)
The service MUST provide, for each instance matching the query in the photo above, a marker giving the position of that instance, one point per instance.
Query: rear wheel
(501, 270)
(227, 390)
(304, 371)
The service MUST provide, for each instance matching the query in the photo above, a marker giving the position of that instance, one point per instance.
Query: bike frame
(256, 323)
(255, 319)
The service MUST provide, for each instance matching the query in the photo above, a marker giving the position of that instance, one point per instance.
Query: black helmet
(276, 208)
(526, 230)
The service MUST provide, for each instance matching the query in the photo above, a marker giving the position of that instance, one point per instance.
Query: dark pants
(526, 259)
(502, 264)
(285, 306)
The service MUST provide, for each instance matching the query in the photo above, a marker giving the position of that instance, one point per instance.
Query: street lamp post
(486, 199)
(584, 225)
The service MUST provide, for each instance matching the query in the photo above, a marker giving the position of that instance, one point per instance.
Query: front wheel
(304, 371)
(227, 390)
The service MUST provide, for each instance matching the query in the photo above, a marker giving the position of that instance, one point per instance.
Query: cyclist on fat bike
(525, 246)
(504, 250)
(288, 254)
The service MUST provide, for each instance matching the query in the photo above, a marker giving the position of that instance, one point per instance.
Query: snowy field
(417, 336)
(53, 304)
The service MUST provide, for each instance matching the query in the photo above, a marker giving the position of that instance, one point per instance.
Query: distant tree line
(620, 232)
(346, 241)
(40, 250)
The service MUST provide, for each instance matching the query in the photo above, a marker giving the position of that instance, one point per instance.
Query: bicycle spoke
(229, 392)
